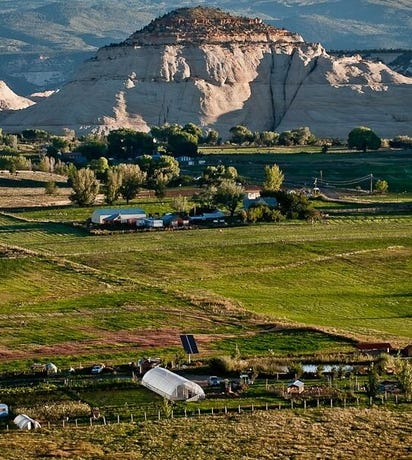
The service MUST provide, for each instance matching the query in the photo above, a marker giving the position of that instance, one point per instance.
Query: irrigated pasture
(65, 293)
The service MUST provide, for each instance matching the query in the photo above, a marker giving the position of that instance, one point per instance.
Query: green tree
(159, 171)
(372, 387)
(216, 174)
(274, 178)
(205, 200)
(100, 167)
(403, 369)
(363, 138)
(85, 187)
(229, 194)
(212, 137)
(241, 134)
(182, 143)
(181, 205)
(266, 138)
(381, 186)
(114, 179)
(128, 143)
(47, 164)
(51, 188)
(92, 148)
(132, 180)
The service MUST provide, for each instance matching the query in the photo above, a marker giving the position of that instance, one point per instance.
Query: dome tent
(172, 386)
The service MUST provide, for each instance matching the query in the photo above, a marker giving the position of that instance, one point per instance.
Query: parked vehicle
(97, 368)
(213, 381)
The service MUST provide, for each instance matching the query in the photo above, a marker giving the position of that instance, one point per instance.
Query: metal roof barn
(172, 386)
(101, 216)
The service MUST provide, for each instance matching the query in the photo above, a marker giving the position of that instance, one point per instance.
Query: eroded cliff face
(273, 82)
(9, 100)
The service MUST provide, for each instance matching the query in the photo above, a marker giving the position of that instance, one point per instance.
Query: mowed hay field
(327, 434)
(70, 296)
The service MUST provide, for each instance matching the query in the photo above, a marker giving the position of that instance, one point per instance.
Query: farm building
(214, 216)
(272, 202)
(175, 220)
(122, 216)
(296, 387)
(407, 351)
(172, 386)
(374, 348)
(150, 222)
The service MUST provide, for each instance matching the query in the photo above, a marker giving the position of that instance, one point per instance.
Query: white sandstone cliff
(9, 100)
(269, 82)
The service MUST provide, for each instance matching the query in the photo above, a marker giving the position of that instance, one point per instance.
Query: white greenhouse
(172, 386)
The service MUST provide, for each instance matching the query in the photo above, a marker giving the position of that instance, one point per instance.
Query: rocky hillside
(43, 41)
(9, 100)
(204, 66)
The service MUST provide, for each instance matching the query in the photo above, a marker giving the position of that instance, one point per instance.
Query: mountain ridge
(262, 77)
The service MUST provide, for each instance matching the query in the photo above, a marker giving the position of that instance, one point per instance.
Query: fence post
(344, 402)
(280, 406)
(317, 402)
(91, 421)
(75, 422)
(291, 403)
(185, 413)
(331, 402)
(396, 399)
(118, 418)
(198, 411)
(304, 404)
(212, 410)
(131, 418)
(239, 408)
(225, 410)
(253, 408)
(145, 416)
(104, 420)
(158, 415)
(267, 407)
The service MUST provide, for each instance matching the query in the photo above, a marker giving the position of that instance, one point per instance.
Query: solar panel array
(189, 344)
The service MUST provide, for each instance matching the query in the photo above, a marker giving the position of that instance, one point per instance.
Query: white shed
(172, 386)
(24, 422)
(127, 215)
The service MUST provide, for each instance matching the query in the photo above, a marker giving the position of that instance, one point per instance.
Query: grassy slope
(350, 276)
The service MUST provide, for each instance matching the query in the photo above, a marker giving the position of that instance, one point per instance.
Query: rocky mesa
(204, 66)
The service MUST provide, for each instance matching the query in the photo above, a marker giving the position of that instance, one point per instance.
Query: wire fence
(111, 417)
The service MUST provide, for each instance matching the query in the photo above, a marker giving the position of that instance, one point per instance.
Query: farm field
(300, 169)
(338, 433)
(117, 296)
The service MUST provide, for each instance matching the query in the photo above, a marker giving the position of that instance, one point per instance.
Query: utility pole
(321, 177)
(371, 184)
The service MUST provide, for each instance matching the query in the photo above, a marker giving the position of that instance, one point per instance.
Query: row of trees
(123, 180)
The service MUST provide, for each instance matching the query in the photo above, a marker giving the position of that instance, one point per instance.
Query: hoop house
(172, 386)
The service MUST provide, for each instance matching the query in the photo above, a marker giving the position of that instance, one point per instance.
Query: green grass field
(73, 296)
(300, 169)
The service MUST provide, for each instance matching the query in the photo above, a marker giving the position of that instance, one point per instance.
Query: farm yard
(289, 292)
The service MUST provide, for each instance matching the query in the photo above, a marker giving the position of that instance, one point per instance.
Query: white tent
(24, 422)
(172, 386)
(51, 369)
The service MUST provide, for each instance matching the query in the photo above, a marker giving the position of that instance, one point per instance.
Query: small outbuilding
(24, 422)
(296, 387)
(172, 386)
